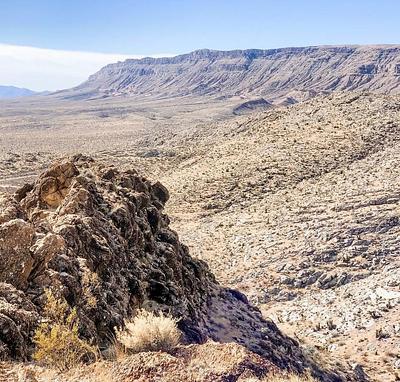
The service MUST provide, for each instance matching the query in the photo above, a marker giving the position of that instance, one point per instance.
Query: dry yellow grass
(149, 332)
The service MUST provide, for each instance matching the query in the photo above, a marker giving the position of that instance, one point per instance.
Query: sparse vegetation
(149, 332)
(57, 339)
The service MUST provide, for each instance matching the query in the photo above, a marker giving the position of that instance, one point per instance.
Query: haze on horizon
(41, 69)
(47, 45)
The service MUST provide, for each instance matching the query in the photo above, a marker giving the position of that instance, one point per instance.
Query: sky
(54, 44)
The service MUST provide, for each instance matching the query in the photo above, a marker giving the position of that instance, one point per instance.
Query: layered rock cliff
(297, 73)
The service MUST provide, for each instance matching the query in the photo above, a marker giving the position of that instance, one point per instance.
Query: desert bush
(149, 332)
(57, 340)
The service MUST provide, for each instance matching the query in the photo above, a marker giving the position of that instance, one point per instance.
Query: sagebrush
(149, 332)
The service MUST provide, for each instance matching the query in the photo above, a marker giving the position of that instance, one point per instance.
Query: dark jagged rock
(95, 234)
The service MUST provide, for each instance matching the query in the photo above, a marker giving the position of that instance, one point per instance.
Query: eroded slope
(300, 209)
(98, 237)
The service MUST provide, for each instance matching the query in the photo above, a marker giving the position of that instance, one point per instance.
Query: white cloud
(49, 69)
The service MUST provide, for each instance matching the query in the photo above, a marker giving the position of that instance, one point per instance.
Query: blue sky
(122, 28)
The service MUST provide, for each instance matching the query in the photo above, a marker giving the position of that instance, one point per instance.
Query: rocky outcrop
(98, 237)
(273, 73)
(18, 318)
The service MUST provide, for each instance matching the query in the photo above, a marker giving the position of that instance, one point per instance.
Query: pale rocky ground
(297, 207)
(292, 242)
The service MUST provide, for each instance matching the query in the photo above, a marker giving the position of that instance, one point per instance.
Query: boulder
(18, 318)
(16, 261)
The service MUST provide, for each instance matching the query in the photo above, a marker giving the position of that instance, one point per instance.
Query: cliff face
(275, 73)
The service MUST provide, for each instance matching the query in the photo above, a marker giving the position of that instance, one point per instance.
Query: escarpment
(276, 74)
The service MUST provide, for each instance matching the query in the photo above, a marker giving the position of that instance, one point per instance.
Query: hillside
(14, 92)
(295, 206)
(299, 208)
(98, 237)
(280, 75)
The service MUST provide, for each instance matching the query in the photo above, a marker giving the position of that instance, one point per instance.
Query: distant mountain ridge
(14, 92)
(294, 73)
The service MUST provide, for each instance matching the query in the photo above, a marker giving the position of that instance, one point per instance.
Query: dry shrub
(57, 340)
(149, 332)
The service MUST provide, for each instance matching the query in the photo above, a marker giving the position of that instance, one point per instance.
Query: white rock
(387, 294)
